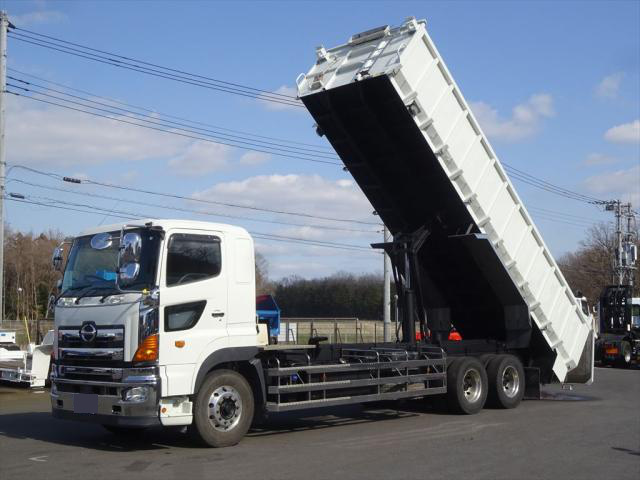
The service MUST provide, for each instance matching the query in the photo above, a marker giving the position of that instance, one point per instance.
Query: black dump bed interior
(463, 282)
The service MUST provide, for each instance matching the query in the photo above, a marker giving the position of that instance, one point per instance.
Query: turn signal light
(148, 350)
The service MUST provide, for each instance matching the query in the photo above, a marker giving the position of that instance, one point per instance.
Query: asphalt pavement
(591, 432)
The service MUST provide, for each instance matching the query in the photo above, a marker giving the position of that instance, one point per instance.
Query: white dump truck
(156, 320)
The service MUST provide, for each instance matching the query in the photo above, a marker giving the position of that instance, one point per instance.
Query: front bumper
(110, 408)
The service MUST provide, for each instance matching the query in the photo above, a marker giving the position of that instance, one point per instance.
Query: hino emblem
(88, 332)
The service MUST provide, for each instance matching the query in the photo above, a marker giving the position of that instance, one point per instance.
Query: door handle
(217, 313)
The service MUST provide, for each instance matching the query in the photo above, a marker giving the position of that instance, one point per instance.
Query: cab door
(193, 303)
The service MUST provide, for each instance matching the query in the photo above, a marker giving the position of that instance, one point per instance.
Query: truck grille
(90, 344)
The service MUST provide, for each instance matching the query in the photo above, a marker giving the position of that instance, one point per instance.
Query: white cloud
(201, 158)
(623, 184)
(279, 106)
(37, 17)
(254, 158)
(609, 85)
(311, 194)
(624, 133)
(524, 121)
(595, 159)
(61, 138)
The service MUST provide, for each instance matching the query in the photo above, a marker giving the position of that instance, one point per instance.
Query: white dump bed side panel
(408, 56)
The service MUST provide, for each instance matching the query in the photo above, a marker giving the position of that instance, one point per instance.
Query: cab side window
(192, 258)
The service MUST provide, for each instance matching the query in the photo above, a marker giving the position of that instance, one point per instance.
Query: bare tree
(590, 268)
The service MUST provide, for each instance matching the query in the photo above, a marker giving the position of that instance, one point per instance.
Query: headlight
(66, 301)
(136, 394)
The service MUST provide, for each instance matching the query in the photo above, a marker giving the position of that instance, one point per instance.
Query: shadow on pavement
(278, 423)
(43, 427)
(626, 450)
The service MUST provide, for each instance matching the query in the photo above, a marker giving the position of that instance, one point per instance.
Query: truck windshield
(93, 270)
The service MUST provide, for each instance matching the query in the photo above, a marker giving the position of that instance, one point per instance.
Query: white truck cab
(142, 307)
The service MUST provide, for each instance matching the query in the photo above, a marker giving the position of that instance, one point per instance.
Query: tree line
(30, 280)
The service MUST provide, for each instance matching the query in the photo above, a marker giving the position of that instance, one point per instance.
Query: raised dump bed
(391, 109)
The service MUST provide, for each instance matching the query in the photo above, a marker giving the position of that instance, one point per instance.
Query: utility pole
(624, 259)
(387, 289)
(4, 25)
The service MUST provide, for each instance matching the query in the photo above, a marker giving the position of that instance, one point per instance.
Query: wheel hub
(472, 385)
(225, 408)
(510, 381)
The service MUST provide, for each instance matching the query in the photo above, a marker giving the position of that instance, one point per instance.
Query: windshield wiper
(85, 293)
(70, 289)
(104, 297)
(92, 288)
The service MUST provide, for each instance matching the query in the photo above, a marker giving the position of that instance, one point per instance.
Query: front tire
(506, 381)
(223, 409)
(466, 385)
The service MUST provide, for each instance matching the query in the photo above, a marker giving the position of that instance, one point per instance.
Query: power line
(149, 125)
(59, 177)
(564, 222)
(156, 112)
(569, 216)
(545, 214)
(549, 187)
(162, 72)
(152, 64)
(187, 210)
(190, 128)
(515, 173)
(111, 58)
(53, 203)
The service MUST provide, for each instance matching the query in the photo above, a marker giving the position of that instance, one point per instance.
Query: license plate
(85, 403)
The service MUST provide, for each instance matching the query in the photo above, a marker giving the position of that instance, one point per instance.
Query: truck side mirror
(129, 272)
(129, 257)
(56, 258)
(130, 248)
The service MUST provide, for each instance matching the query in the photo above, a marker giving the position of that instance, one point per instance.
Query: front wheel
(466, 385)
(223, 409)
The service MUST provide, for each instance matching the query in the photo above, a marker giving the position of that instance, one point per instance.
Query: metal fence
(292, 330)
(337, 330)
(28, 330)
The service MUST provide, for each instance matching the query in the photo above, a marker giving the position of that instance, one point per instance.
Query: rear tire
(485, 358)
(223, 409)
(466, 386)
(625, 355)
(506, 381)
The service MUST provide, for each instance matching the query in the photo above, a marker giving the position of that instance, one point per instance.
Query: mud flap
(532, 383)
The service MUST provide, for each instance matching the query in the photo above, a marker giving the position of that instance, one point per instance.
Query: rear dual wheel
(624, 360)
(466, 385)
(506, 381)
(497, 380)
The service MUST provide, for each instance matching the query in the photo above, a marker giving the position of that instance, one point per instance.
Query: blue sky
(555, 85)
